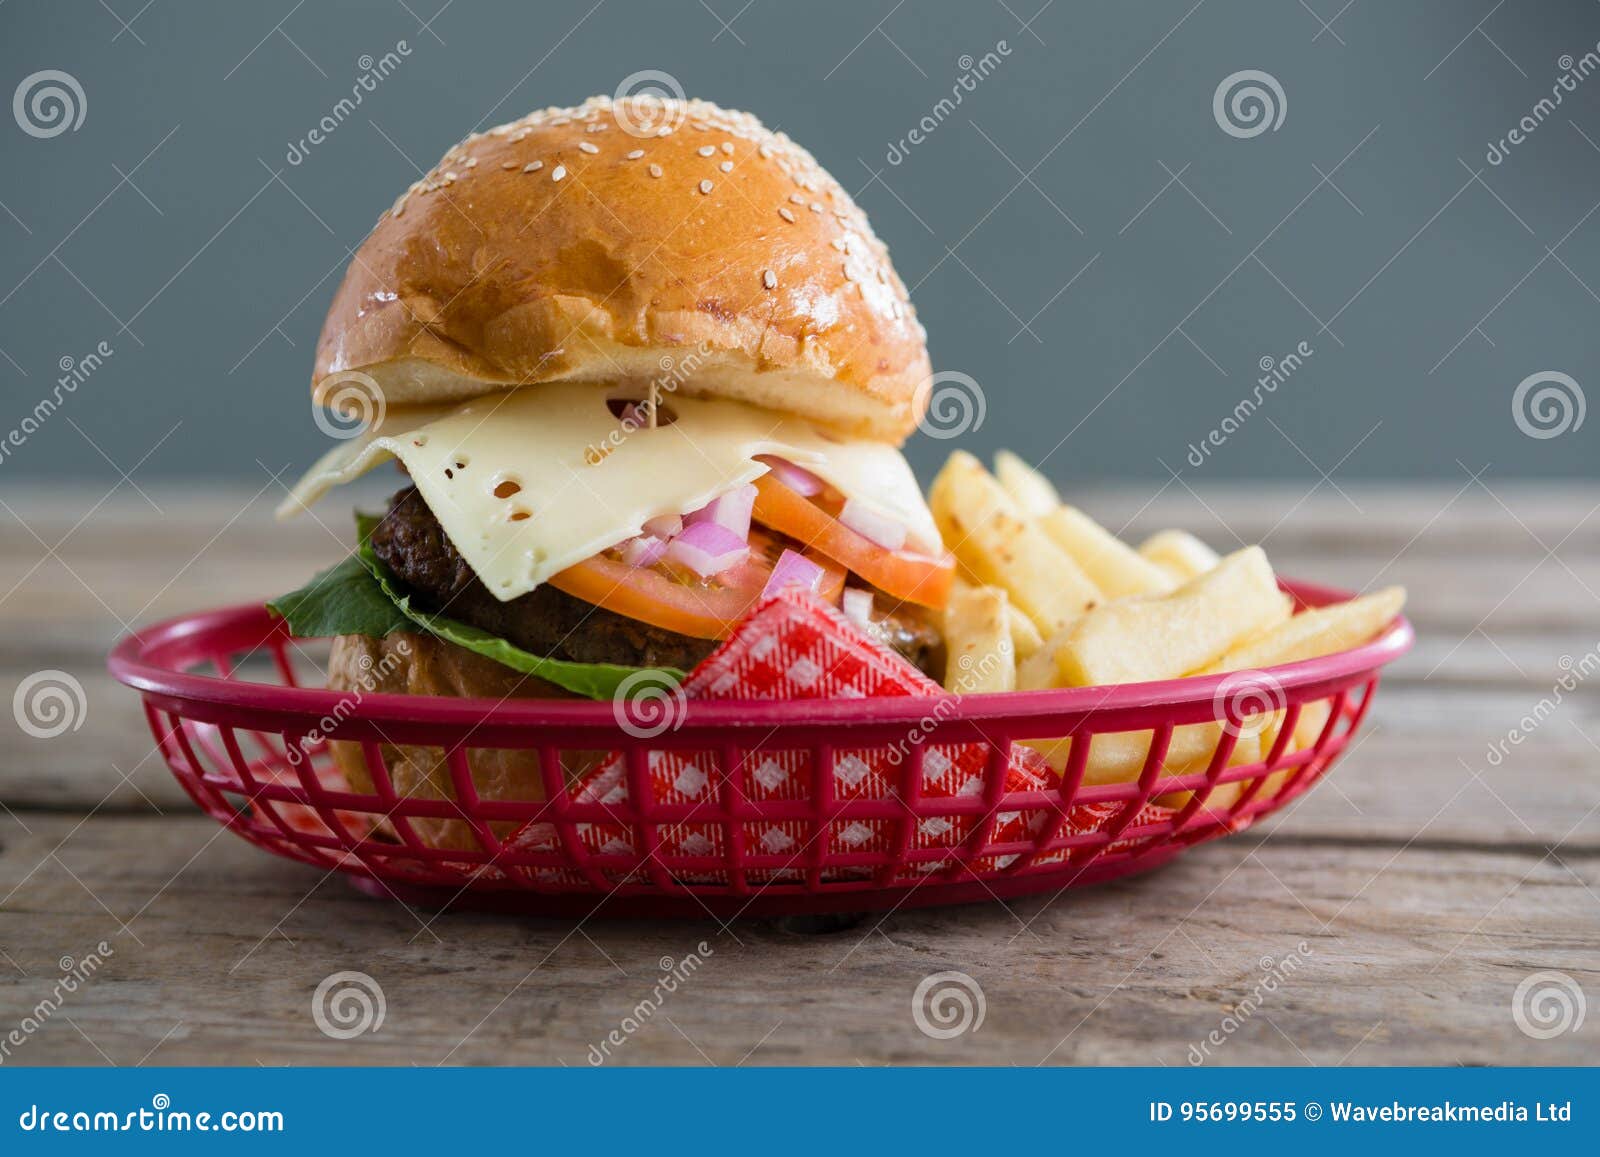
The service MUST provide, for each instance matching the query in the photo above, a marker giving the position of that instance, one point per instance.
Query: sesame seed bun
(596, 243)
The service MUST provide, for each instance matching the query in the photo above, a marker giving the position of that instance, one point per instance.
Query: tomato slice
(676, 599)
(904, 574)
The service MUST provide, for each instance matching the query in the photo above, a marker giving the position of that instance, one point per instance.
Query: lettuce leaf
(360, 596)
(343, 600)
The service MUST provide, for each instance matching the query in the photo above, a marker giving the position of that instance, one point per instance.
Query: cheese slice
(532, 481)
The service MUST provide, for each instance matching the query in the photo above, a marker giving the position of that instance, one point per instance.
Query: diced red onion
(645, 550)
(793, 569)
(857, 606)
(664, 525)
(880, 528)
(801, 481)
(708, 548)
(730, 510)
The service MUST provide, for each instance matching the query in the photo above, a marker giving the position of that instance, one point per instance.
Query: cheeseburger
(640, 363)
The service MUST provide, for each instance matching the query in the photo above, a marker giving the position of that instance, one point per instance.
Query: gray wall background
(1082, 237)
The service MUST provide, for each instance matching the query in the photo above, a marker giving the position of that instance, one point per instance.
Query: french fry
(1025, 636)
(978, 642)
(1030, 490)
(1038, 671)
(1321, 631)
(1000, 547)
(1313, 718)
(1134, 640)
(1114, 566)
(1179, 553)
(1119, 756)
(1307, 635)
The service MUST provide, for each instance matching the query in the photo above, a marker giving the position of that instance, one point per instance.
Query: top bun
(620, 240)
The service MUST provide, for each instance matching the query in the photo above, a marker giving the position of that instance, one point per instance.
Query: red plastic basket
(228, 737)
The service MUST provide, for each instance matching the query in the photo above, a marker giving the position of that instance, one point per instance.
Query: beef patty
(549, 622)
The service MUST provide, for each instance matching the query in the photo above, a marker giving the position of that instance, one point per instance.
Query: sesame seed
(706, 186)
(508, 164)
(786, 215)
(797, 199)
(726, 166)
(769, 279)
(664, 131)
(558, 172)
(585, 146)
(449, 176)
(814, 207)
(533, 167)
(848, 276)
(706, 150)
(655, 170)
(727, 147)
(636, 154)
(472, 162)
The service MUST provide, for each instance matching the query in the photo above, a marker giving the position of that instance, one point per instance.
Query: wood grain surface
(1411, 892)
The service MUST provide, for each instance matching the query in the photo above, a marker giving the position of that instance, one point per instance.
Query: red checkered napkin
(793, 647)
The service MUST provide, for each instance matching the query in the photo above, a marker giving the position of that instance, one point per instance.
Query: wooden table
(1424, 878)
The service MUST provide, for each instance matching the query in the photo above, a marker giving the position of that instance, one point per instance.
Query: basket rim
(147, 659)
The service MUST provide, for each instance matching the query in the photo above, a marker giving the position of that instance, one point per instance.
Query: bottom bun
(415, 664)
